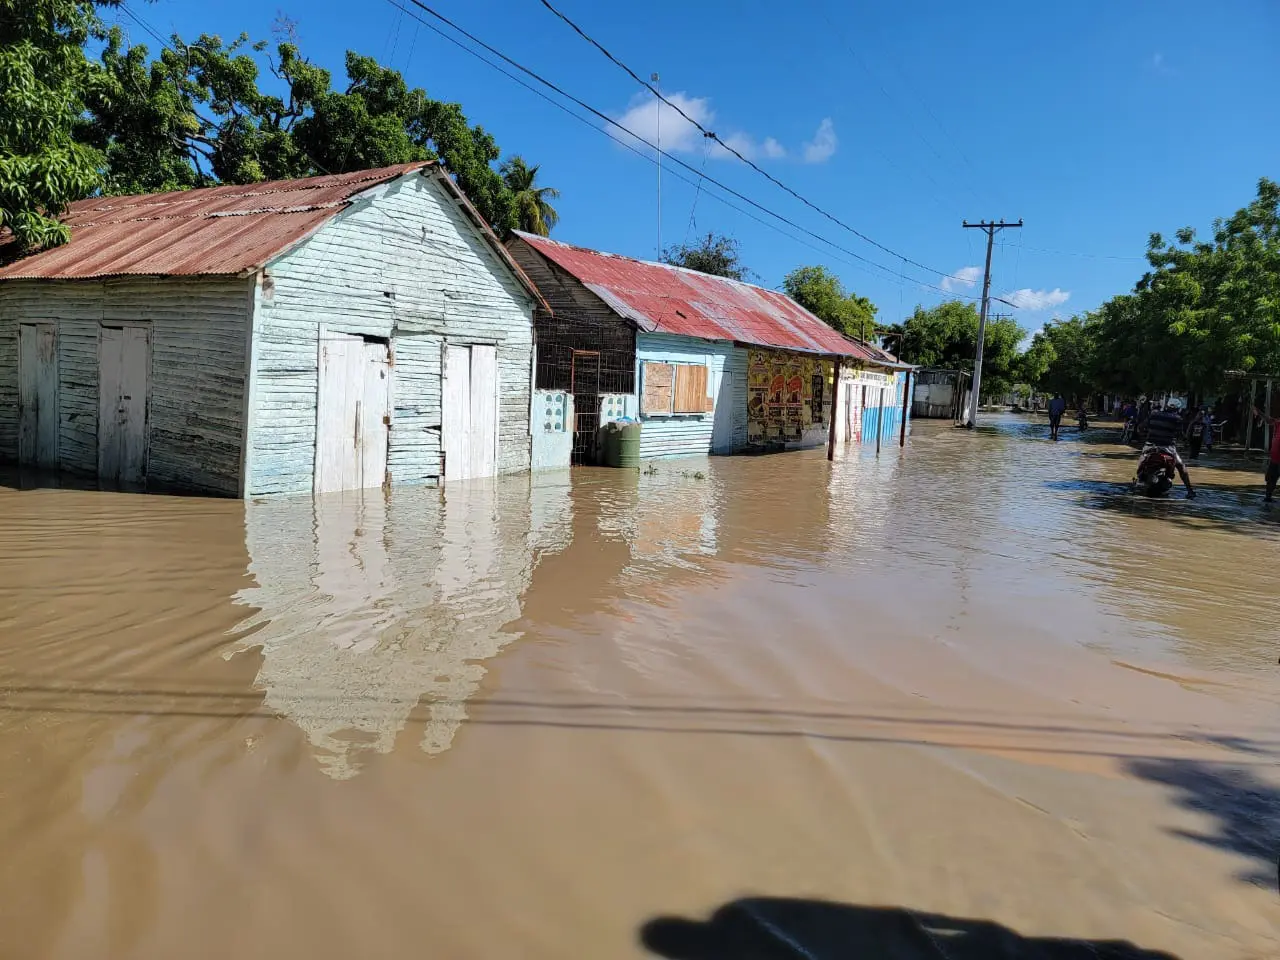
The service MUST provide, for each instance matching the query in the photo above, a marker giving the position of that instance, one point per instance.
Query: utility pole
(990, 226)
(654, 79)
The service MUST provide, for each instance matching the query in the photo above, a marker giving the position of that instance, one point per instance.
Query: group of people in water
(1163, 426)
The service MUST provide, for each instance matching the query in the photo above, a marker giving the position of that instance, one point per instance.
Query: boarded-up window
(656, 384)
(691, 388)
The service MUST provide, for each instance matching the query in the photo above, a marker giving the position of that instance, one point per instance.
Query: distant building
(707, 364)
(320, 334)
(940, 394)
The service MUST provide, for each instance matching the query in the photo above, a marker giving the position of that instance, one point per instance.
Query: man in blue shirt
(1057, 407)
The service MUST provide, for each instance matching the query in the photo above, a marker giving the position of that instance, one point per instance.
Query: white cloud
(1160, 65)
(1028, 299)
(768, 148)
(646, 114)
(678, 135)
(773, 149)
(823, 145)
(964, 277)
(647, 117)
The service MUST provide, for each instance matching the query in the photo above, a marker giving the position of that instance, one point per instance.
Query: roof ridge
(262, 187)
(203, 215)
(674, 267)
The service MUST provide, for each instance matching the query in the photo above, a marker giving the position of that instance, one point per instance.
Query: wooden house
(323, 334)
(707, 364)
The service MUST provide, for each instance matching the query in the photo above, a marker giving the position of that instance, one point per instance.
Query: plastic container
(622, 444)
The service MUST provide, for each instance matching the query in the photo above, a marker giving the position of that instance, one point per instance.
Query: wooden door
(375, 414)
(470, 411)
(353, 413)
(484, 411)
(124, 365)
(37, 395)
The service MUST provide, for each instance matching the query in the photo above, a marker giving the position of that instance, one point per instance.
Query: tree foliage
(533, 210)
(946, 336)
(1061, 357)
(820, 292)
(44, 80)
(197, 115)
(714, 254)
(1204, 308)
(210, 111)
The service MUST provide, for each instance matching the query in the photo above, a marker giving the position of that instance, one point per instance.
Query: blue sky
(1096, 122)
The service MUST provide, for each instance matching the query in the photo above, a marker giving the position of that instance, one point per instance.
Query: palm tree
(534, 212)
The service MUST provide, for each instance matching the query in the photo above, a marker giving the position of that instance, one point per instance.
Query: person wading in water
(1057, 407)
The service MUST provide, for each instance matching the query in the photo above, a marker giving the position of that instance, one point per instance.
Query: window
(674, 389)
(691, 389)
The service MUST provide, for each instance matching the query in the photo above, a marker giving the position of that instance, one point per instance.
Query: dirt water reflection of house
(369, 605)
(379, 613)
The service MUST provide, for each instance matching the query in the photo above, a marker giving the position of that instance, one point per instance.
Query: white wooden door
(37, 395)
(470, 411)
(124, 364)
(353, 413)
(375, 413)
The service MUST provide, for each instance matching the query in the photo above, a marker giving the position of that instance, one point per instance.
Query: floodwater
(966, 700)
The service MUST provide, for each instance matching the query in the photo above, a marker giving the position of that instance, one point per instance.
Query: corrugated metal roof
(211, 230)
(660, 298)
(216, 230)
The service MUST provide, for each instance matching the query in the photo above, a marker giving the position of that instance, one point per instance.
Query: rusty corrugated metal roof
(660, 298)
(210, 230)
(220, 230)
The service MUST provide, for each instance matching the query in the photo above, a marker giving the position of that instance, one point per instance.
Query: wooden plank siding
(581, 321)
(404, 264)
(715, 431)
(197, 372)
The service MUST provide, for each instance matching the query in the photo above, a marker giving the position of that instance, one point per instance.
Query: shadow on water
(1245, 809)
(776, 928)
(1233, 508)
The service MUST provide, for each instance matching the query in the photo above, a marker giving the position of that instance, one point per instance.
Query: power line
(897, 280)
(674, 159)
(1076, 253)
(709, 133)
(622, 142)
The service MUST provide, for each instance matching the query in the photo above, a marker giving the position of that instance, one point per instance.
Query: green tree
(534, 212)
(1035, 361)
(1202, 309)
(44, 80)
(820, 292)
(1065, 351)
(946, 336)
(714, 254)
(196, 115)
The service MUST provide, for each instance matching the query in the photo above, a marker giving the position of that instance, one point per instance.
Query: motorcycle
(1155, 473)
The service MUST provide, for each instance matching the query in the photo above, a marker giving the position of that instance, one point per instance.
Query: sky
(1094, 122)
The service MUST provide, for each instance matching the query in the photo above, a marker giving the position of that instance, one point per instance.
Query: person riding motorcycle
(1163, 427)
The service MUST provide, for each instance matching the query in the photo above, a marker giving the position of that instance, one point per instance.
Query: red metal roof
(211, 230)
(660, 298)
(214, 230)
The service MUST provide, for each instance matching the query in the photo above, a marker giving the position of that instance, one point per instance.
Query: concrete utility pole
(990, 226)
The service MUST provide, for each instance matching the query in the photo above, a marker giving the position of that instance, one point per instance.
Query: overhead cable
(752, 164)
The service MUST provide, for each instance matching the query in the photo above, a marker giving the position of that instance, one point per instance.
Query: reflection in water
(971, 681)
(368, 604)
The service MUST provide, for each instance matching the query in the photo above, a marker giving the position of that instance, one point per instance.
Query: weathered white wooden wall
(724, 430)
(403, 263)
(196, 403)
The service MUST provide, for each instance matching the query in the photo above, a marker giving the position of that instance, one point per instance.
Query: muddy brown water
(967, 700)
